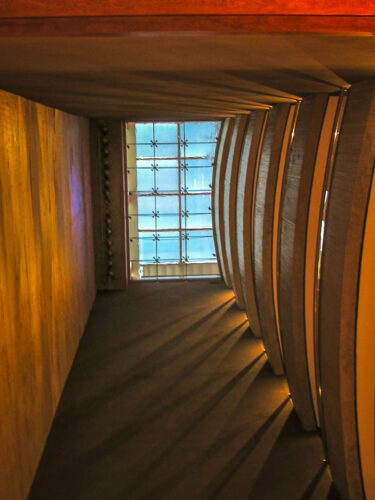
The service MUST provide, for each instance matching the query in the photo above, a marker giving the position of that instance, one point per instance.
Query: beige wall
(46, 274)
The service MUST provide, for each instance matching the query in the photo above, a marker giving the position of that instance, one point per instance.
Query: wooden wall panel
(294, 212)
(340, 271)
(110, 203)
(230, 202)
(266, 213)
(222, 151)
(365, 353)
(46, 274)
(247, 176)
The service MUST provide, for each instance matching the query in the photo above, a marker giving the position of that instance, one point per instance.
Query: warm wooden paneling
(365, 353)
(218, 176)
(109, 203)
(247, 176)
(120, 25)
(294, 213)
(230, 203)
(116, 16)
(340, 272)
(36, 8)
(266, 213)
(46, 274)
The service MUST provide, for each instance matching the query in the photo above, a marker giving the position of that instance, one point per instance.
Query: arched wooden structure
(230, 203)
(346, 346)
(218, 197)
(248, 169)
(267, 204)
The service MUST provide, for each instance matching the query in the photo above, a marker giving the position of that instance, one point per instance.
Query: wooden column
(230, 203)
(110, 203)
(340, 355)
(266, 219)
(248, 170)
(218, 197)
(294, 212)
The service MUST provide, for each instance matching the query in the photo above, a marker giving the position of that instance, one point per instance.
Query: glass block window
(169, 168)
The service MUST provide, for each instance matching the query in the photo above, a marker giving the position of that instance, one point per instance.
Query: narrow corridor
(171, 397)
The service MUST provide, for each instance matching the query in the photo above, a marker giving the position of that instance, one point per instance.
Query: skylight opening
(169, 168)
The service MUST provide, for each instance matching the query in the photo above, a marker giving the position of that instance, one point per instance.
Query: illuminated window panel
(169, 168)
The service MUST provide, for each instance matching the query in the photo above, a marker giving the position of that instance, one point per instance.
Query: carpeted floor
(171, 397)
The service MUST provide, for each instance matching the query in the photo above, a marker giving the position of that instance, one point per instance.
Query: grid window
(169, 169)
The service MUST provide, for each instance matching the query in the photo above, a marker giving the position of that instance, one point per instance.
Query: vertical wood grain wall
(47, 281)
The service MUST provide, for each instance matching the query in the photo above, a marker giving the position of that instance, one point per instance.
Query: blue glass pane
(167, 179)
(167, 222)
(147, 247)
(196, 221)
(168, 246)
(201, 131)
(145, 151)
(145, 179)
(200, 162)
(198, 150)
(199, 203)
(166, 151)
(143, 132)
(167, 204)
(166, 132)
(198, 179)
(146, 222)
(166, 163)
(146, 205)
(200, 247)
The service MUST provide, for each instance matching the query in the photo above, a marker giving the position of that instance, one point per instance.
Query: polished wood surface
(294, 211)
(46, 274)
(36, 8)
(25, 17)
(218, 198)
(121, 25)
(248, 170)
(230, 206)
(109, 204)
(266, 212)
(323, 166)
(365, 353)
(340, 272)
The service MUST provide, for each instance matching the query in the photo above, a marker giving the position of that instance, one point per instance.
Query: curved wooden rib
(340, 271)
(218, 197)
(294, 213)
(365, 347)
(266, 214)
(247, 175)
(230, 202)
(322, 171)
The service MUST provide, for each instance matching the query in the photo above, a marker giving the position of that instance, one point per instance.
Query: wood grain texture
(270, 167)
(294, 212)
(218, 198)
(340, 270)
(120, 25)
(46, 274)
(247, 176)
(109, 204)
(230, 206)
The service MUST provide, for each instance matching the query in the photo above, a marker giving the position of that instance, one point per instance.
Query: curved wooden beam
(294, 214)
(247, 175)
(340, 274)
(230, 203)
(218, 198)
(266, 217)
